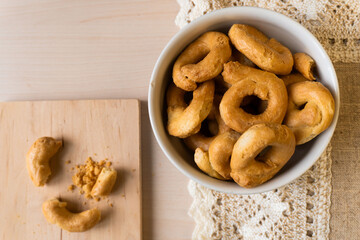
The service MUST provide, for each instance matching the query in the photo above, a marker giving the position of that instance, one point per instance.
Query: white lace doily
(300, 210)
(335, 23)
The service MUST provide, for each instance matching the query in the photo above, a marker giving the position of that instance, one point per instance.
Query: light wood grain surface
(96, 128)
(85, 49)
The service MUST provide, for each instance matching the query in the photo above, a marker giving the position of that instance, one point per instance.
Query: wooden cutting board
(96, 128)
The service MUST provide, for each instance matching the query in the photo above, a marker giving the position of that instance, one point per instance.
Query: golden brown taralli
(199, 140)
(235, 72)
(310, 111)
(202, 161)
(305, 65)
(265, 86)
(254, 102)
(220, 151)
(248, 169)
(202, 60)
(56, 212)
(38, 159)
(185, 120)
(268, 54)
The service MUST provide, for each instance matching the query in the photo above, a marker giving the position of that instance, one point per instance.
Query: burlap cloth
(300, 210)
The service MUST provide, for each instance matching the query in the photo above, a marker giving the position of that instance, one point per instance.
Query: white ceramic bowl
(273, 24)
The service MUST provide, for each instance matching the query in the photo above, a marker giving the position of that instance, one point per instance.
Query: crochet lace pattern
(335, 23)
(299, 210)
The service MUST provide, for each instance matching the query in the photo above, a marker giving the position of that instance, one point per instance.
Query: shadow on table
(147, 179)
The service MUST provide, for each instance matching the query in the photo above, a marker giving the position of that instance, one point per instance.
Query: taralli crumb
(38, 159)
(68, 162)
(71, 187)
(87, 176)
(56, 212)
(213, 49)
(305, 65)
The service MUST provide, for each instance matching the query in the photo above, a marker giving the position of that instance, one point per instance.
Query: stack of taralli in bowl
(252, 101)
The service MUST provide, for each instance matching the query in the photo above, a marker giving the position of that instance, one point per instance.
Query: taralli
(38, 158)
(202, 161)
(202, 60)
(55, 212)
(268, 54)
(220, 151)
(305, 65)
(199, 140)
(104, 183)
(235, 72)
(293, 78)
(310, 111)
(185, 120)
(243, 138)
(249, 168)
(265, 86)
(241, 58)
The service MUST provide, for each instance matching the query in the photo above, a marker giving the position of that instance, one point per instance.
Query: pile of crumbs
(87, 175)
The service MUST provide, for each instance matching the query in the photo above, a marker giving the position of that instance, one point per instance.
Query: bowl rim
(190, 171)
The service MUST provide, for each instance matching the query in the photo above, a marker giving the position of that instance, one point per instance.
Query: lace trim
(299, 210)
(336, 24)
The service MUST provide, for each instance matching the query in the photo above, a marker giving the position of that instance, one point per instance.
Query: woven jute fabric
(299, 210)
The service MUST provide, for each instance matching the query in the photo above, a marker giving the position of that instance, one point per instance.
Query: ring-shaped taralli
(185, 120)
(249, 168)
(310, 111)
(305, 65)
(220, 151)
(265, 86)
(268, 54)
(199, 140)
(56, 212)
(202, 60)
(201, 159)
